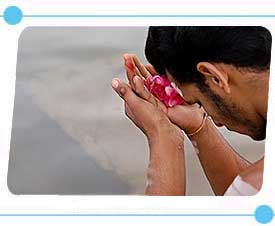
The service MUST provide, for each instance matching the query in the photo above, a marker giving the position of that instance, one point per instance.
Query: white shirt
(240, 188)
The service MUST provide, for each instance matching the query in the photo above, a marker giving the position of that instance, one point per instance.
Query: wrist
(166, 132)
(199, 127)
(202, 130)
(160, 126)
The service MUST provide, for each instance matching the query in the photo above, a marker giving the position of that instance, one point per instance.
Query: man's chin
(253, 133)
(255, 136)
(259, 137)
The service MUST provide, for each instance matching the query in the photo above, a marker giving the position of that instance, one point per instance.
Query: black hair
(180, 49)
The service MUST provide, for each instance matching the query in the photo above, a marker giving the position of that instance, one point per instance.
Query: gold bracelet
(201, 126)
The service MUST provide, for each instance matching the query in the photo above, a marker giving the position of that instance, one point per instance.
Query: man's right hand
(188, 117)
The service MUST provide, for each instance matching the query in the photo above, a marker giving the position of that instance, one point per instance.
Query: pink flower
(162, 89)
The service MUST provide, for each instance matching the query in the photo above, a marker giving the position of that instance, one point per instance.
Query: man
(221, 71)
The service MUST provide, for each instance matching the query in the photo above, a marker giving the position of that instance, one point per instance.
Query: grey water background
(69, 133)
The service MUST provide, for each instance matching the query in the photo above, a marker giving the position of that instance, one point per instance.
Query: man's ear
(214, 75)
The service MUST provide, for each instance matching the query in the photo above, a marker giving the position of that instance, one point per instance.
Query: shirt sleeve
(240, 188)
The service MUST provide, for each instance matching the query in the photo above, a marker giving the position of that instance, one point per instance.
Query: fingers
(135, 68)
(144, 93)
(127, 94)
(141, 90)
(130, 68)
(124, 91)
(134, 65)
(151, 69)
(143, 70)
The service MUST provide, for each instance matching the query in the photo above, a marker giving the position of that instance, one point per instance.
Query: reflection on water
(70, 135)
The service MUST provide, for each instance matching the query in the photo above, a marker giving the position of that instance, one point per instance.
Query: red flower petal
(162, 89)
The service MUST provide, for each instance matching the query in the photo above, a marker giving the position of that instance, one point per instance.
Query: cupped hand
(187, 117)
(140, 106)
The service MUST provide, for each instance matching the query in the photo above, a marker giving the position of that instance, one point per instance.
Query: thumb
(176, 114)
(124, 91)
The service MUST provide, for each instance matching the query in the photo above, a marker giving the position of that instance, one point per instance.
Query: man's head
(222, 68)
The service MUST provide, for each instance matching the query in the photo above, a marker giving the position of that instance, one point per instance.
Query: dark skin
(220, 162)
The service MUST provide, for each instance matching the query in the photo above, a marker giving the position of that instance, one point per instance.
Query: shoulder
(253, 175)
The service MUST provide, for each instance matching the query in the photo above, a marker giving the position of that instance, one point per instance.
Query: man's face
(231, 111)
